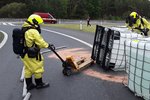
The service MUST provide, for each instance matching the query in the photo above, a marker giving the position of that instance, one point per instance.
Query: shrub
(16, 10)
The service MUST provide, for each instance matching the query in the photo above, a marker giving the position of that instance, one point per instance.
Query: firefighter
(33, 60)
(138, 24)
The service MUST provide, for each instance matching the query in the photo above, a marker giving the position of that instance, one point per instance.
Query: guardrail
(99, 22)
(69, 21)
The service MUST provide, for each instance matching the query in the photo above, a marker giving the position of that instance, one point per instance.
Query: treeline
(75, 9)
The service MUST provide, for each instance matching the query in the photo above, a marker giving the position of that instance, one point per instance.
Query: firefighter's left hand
(145, 31)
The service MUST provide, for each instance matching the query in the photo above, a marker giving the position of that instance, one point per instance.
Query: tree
(16, 10)
(78, 9)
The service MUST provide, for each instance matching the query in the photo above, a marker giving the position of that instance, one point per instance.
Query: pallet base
(84, 65)
(77, 64)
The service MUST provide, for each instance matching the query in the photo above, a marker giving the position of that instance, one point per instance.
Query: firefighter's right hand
(51, 46)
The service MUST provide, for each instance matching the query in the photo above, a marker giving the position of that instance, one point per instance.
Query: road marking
(74, 38)
(7, 23)
(11, 24)
(4, 40)
(4, 24)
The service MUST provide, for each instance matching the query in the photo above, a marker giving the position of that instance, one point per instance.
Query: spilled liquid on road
(81, 52)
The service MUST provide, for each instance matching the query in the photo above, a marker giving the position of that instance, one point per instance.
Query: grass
(1, 37)
(85, 28)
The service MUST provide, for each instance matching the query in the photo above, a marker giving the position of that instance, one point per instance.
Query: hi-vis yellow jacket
(141, 23)
(33, 36)
(32, 65)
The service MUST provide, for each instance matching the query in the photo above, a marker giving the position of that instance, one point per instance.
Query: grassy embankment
(1, 37)
(85, 28)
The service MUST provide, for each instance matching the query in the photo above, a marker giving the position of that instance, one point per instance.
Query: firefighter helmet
(35, 19)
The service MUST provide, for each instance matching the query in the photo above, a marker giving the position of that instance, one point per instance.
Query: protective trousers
(33, 67)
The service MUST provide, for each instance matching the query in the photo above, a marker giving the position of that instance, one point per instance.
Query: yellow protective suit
(141, 25)
(32, 65)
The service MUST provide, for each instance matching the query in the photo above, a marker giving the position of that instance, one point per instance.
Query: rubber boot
(40, 84)
(29, 83)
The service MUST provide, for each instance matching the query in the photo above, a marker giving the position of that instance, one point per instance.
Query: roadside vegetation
(75, 9)
(1, 37)
(85, 28)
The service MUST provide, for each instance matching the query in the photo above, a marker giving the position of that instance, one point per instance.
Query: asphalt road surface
(86, 85)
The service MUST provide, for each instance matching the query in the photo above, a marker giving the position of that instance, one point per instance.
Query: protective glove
(51, 46)
(145, 31)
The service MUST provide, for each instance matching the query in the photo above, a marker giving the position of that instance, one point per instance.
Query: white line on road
(74, 38)
(7, 23)
(11, 24)
(4, 40)
(4, 24)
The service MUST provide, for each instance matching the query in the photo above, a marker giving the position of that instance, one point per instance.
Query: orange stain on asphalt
(104, 76)
(81, 52)
(75, 52)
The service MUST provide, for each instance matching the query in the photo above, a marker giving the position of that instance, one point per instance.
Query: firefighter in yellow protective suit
(32, 59)
(138, 24)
